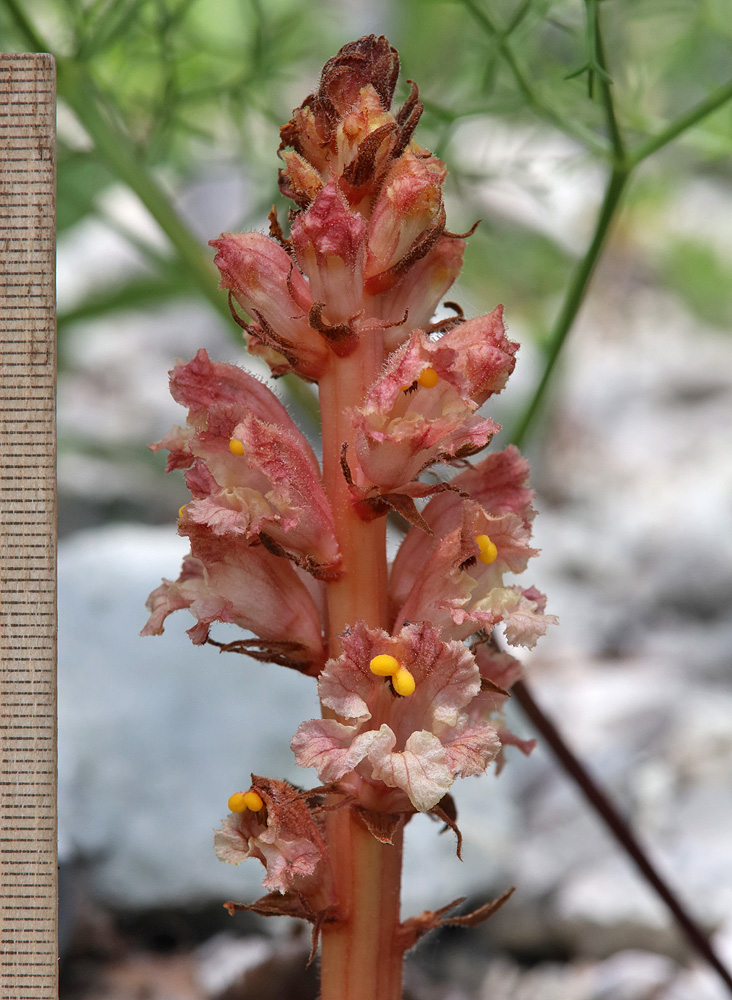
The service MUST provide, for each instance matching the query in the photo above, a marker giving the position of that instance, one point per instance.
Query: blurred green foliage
(184, 87)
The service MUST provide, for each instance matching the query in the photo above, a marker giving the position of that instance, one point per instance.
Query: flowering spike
(238, 803)
(294, 554)
(488, 551)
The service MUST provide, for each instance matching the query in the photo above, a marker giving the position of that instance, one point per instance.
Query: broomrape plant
(411, 682)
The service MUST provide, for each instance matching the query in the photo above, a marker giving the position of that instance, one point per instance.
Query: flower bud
(330, 244)
(264, 281)
(408, 204)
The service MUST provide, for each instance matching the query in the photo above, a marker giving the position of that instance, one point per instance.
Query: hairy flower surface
(423, 408)
(499, 671)
(418, 743)
(283, 835)
(443, 577)
(230, 581)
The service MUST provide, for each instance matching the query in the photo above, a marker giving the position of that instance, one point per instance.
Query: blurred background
(168, 123)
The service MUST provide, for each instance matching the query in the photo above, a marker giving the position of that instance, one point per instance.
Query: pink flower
(330, 244)
(418, 290)
(417, 743)
(252, 476)
(227, 580)
(406, 219)
(455, 584)
(423, 408)
(499, 483)
(264, 281)
(284, 835)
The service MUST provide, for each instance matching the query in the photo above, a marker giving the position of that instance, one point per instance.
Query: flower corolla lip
(272, 487)
(461, 594)
(227, 580)
(283, 835)
(404, 425)
(499, 671)
(419, 743)
(487, 356)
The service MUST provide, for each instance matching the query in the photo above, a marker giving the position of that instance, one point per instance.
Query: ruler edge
(46, 64)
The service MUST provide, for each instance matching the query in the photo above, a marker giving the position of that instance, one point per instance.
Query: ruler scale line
(28, 877)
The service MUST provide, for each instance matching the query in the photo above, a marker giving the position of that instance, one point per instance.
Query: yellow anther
(384, 665)
(428, 378)
(253, 801)
(404, 683)
(180, 511)
(236, 447)
(488, 551)
(238, 803)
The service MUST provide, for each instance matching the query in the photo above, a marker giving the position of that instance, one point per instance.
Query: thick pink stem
(361, 592)
(361, 956)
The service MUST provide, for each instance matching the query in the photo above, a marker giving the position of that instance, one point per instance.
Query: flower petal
(330, 747)
(208, 387)
(523, 622)
(472, 750)
(420, 770)
(330, 243)
(230, 581)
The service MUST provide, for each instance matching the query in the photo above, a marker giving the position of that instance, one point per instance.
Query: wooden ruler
(28, 884)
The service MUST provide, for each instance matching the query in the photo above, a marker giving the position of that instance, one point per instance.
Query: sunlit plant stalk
(298, 558)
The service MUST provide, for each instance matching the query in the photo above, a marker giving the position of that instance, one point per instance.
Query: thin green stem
(584, 270)
(573, 300)
(715, 100)
(110, 140)
(616, 138)
(535, 102)
(115, 146)
(25, 26)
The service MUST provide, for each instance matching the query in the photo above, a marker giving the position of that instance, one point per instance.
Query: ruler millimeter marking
(28, 882)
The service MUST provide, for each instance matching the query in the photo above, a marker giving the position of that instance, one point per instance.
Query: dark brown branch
(619, 829)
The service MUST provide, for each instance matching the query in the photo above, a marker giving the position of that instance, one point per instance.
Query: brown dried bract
(416, 927)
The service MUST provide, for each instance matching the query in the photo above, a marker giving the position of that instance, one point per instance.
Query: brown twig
(619, 828)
